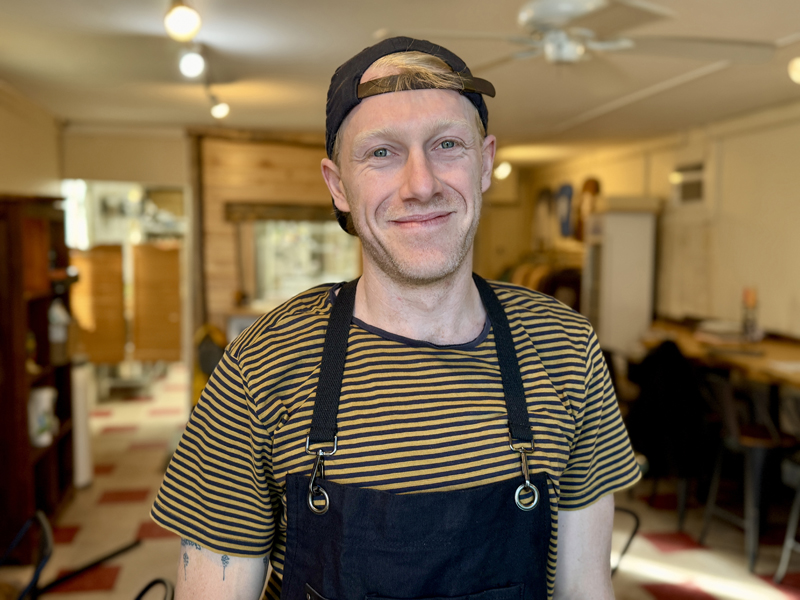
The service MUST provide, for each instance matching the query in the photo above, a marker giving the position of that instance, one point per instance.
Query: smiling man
(417, 433)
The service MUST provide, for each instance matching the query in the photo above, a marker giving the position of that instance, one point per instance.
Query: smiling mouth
(433, 218)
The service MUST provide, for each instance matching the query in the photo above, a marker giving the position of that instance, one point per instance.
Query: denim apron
(349, 543)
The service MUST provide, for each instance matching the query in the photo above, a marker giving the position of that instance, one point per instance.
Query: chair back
(725, 402)
(668, 423)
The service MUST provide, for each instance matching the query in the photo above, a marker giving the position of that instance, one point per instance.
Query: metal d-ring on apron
(323, 431)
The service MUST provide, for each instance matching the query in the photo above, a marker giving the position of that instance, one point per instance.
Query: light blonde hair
(412, 68)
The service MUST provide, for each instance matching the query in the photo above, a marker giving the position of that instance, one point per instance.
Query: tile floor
(663, 564)
(131, 442)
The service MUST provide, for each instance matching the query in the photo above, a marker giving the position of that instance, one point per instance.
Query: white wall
(745, 233)
(29, 155)
(147, 155)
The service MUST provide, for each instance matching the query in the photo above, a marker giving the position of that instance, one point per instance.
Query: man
(418, 433)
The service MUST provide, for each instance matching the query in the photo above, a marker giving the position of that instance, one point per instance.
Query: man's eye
(447, 144)
(381, 153)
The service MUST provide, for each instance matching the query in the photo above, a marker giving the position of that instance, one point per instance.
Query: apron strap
(513, 390)
(331, 372)
(334, 354)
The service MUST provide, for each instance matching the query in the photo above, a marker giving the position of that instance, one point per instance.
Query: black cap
(346, 91)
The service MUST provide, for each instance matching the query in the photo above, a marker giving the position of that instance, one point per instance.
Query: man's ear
(333, 179)
(487, 155)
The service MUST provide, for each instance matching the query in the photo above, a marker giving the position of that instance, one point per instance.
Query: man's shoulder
(530, 304)
(308, 311)
(516, 297)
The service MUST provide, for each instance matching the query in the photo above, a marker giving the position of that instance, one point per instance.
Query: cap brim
(385, 85)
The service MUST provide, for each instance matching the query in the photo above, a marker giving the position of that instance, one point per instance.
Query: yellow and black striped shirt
(413, 417)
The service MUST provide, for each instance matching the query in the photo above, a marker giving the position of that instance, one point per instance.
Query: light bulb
(503, 170)
(220, 110)
(182, 22)
(794, 69)
(192, 64)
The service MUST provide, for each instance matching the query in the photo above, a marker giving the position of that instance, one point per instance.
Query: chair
(169, 591)
(755, 441)
(44, 552)
(790, 475)
(32, 590)
(634, 530)
(669, 422)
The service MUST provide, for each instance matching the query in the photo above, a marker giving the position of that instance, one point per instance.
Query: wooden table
(770, 361)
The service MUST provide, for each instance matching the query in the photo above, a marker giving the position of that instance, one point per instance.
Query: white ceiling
(110, 61)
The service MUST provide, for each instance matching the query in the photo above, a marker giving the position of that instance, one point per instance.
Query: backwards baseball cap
(346, 90)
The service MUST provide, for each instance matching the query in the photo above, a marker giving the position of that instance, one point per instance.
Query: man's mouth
(431, 218)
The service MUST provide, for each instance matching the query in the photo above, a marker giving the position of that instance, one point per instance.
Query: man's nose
(419, 178)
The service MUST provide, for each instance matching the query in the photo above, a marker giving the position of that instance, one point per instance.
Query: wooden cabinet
(33, 272)
(97, 303)
(156, 302)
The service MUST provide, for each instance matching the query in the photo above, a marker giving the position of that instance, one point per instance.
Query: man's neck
(445, 312)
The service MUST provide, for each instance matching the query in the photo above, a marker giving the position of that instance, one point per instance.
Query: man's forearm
(206, 574)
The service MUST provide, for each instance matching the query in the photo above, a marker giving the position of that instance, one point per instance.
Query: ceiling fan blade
(382, 34)
(704, 49)
(506, 59)
(620, 15)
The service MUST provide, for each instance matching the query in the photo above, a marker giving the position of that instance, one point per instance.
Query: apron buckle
(320, 451)
(524, 451)
(314, 489)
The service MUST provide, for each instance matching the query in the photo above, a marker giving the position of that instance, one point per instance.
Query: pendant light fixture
(503, 170)
(794, 70)
(192, 63)
(182, 21)
(219, 110)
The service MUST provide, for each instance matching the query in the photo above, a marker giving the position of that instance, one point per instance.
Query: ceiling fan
(570, 31)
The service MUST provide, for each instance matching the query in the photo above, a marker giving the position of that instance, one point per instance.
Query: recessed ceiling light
(192, 64)
(220, 110)
(502, 170)
(794, 69)
(182, 22)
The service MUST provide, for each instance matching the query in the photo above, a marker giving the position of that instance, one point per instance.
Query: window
(292, 256)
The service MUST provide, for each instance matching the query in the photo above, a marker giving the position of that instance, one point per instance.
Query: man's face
(412, 170)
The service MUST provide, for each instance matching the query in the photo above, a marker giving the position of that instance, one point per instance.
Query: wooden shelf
(45, 372)
(60, 283)
(37, 453)
(35, 270)
(41, 295)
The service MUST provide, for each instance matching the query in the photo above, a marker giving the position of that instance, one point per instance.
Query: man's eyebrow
(392, 132)
(380, 132)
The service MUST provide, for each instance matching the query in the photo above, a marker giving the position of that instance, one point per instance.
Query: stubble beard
(401, 270)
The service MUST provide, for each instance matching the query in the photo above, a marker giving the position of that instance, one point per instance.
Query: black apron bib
(349, 543)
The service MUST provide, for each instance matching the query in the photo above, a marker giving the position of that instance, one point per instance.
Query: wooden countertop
(773, 361)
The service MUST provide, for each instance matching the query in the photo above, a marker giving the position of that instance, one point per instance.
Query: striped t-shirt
(414, 417)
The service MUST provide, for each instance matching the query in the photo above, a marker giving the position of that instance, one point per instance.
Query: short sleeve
(216, 490)
(601, 459)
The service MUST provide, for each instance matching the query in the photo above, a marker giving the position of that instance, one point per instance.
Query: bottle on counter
(750, 330)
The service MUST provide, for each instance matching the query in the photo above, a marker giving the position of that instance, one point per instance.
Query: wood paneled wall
(248, 171)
